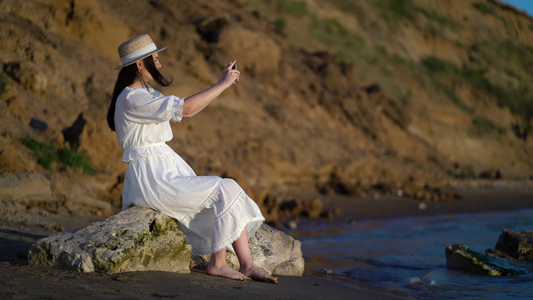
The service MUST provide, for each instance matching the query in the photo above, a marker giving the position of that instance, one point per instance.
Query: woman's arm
(195, 103)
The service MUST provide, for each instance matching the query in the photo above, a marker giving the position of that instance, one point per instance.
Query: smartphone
(234, 67)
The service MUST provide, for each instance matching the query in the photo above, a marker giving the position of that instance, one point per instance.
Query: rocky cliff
(335, 96)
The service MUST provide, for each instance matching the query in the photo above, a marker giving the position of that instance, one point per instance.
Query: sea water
(406, 255)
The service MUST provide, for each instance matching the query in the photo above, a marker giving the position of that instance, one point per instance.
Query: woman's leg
(248, 269)
(219, 267)
(247, 264)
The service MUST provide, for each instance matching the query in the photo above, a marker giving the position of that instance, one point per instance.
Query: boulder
(136, 239)
(517, 244)
(139, 239)
(277, 252)
(272, 250)
(463, 258)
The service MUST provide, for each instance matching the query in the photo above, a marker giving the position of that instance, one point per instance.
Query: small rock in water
(517, 244)
(463, 258)
(292, 224)
(417, 283)
(413, 281)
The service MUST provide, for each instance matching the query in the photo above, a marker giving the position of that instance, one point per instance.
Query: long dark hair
(127, 76)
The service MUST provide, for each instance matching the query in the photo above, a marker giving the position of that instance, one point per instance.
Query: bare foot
(258, 274)
(227, 272)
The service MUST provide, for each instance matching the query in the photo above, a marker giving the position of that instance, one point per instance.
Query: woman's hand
(229, 76)
(195, 103)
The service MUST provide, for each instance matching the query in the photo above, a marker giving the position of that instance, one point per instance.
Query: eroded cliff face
(302, 120)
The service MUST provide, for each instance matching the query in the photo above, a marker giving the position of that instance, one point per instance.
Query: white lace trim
(145, 150)
(177, 109)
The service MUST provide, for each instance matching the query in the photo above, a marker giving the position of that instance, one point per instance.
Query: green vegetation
(450, 93)
(457, 173)
(344, 5)
(295, 8)
(329, 32)
(436, 66)
(518, 99)
(484, 126)
(394, 11)
(439, 19)
(381, 50)
(517, 54)
(485, 8)
(496, 69)
(281, 24)
(48, 154)
(514, 62)
(261, 8)
(335, 36)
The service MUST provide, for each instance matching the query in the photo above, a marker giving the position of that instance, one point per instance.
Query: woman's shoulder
(129, 92)
(137, 96)
(133, 96)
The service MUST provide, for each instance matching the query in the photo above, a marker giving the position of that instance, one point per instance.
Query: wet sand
(473, 196)
(18, 280)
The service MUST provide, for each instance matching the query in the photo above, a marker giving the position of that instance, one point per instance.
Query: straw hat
(135, 49)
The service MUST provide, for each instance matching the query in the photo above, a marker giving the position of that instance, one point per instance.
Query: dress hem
(255, 222)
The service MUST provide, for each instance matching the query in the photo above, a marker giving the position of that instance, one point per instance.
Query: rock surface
(517, 244)
(272, 250)
(136, 239)
(141, 239)
(463, 258)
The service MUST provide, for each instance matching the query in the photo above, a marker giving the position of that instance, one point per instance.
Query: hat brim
(142, 57)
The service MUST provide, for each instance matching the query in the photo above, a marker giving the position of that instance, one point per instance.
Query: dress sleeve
(143, 107)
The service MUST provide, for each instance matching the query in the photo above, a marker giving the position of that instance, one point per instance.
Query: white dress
(211, 211)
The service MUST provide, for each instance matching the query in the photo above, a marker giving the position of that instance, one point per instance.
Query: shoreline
(21, 281)
(474, 196)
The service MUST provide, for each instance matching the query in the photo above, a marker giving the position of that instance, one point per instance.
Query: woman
(213, 213)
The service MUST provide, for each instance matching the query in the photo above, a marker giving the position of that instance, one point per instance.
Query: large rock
(276, 252)
(141, 239)
(463, 258)
(272, 250)
(136, 239)
(517, 244)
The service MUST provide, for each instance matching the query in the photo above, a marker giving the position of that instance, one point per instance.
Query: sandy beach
(26, 282)
(18, 280)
